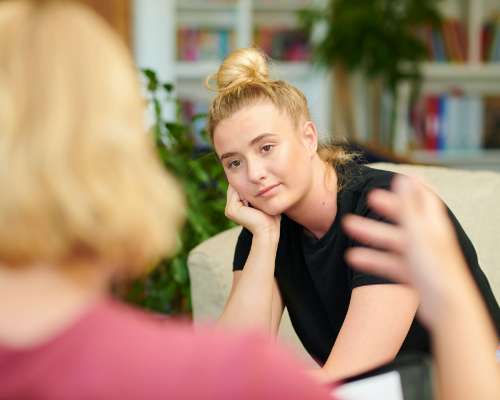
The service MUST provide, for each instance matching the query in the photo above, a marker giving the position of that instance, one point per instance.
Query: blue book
(223, 43)
(495, 45)
(438, 46)
(442, 123)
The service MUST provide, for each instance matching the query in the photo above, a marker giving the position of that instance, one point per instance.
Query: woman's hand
(420, 249)
(256, 221)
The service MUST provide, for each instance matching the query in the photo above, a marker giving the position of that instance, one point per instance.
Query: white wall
(154, 38)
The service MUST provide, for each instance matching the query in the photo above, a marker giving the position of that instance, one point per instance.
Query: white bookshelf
(156, 23)
(242, 17)
(473, 77)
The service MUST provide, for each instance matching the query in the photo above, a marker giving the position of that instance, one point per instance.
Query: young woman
(289, 194)
(84, 200)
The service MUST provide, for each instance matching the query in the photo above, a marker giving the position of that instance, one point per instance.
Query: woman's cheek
(240, 186)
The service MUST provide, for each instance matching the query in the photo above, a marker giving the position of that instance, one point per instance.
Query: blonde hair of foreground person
(81, 183)
(243, 79)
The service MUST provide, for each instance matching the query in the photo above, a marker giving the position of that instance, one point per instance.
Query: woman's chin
(273, 209)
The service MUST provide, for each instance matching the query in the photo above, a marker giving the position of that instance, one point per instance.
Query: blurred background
(404, 80)
(454, 120)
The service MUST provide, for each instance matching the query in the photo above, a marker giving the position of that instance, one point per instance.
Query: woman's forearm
(250, 303)
(464, 344)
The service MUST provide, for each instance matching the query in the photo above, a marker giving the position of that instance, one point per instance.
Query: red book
(459, 40)
(431, 122)
(486, 40)
(449, 44)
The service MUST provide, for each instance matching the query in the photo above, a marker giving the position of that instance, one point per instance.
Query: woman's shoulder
(362, 178)
(357, 181)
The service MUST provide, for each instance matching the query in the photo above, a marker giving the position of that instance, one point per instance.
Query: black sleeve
(478, 275)
(242, 249)
(360, 278)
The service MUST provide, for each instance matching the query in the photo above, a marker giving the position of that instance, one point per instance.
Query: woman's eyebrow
(252, 142)
(227, 155)
(260, 137)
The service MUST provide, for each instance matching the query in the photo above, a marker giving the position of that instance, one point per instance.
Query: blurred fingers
(417, 199)
(385, 203)
(374, 233)
(378, 262)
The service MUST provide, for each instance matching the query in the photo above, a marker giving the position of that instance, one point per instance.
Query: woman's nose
(256, 171)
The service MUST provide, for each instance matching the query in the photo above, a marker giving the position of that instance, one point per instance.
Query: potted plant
(166, 289)
(375, 37)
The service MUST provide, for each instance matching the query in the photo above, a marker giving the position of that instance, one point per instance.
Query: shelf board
(451, 71)
(201, 69)
(280, 6)
(290, 70)
(197, 6)
(208, 20)
(195, 69)
(463, 158)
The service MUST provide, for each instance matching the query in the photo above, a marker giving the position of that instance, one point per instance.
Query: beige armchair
(473, 196)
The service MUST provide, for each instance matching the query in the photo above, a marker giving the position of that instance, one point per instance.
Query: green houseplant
(375, 37)
(166, 288)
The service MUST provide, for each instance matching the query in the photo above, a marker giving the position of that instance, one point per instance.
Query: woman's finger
(233, 200)
(379, 263)
(385, 203)
(374, 233)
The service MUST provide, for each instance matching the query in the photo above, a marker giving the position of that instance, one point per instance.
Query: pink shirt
(116, 352)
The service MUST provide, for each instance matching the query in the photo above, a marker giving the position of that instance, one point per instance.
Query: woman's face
(267, 160)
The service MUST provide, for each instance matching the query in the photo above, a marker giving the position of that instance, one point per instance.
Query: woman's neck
(317, 210)
(37, 302)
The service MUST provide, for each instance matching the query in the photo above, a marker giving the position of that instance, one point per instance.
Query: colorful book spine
(445, 43)
(202, 44)
(442, 123)
(451, 122)
(431, 122)
(495, 45)
(283, 44)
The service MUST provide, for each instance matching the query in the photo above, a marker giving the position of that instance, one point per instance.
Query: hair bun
(241, 67)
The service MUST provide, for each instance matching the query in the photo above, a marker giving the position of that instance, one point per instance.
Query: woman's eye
(234, 164)
(267, 148)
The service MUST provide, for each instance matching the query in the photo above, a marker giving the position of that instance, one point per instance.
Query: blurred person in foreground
(85, 201)
(420, 248)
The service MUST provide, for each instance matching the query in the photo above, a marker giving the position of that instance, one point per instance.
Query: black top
(315, 281)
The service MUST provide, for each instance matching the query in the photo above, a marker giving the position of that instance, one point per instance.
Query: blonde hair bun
(242, 67)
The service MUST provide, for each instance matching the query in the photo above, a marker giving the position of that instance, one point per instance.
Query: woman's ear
(310, 137)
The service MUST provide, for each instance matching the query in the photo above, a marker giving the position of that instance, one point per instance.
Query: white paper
(381, 387)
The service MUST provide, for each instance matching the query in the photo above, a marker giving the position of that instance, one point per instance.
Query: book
(491, 137)
(454, 40)
(450, 121)
(453, 122)
(438, 46)
(487, 33)
(473, 122)
(442, 125)
(283, 43)
(431, 123)
(204, 44)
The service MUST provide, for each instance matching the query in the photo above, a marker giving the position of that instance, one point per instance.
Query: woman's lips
(267, 191)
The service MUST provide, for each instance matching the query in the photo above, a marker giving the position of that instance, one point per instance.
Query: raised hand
(419, 249)
(255, 220)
